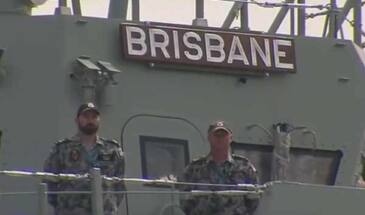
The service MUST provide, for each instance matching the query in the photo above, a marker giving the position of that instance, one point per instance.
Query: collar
(76, 139)
(209, 158)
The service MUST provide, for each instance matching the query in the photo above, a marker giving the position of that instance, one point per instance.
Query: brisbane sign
(207, 47)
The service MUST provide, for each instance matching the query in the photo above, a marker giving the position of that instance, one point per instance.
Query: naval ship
(295, 103)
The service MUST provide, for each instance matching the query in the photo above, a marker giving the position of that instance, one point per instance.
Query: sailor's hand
(168, 178)
(361, 183)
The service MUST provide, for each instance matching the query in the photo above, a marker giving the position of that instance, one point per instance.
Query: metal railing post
(244, 17)
(199, 14)
(118, 9)
(357, 22)
(42, 199)
(62, 8)
(135, 10)
(344, 12)
(279, 18)
(232, 14)
(62, 3)
(333, 27)
(76, 7)
(292, 21)
(199, 9)
(301, 19)
(96, 192)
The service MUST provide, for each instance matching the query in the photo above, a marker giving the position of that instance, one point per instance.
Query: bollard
(42, 199)
(96, 192)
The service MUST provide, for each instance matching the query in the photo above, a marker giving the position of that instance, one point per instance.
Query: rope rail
(267, 4)
(146, 182)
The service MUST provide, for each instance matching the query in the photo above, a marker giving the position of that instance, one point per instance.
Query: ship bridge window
(306, 165)
(259, 155)
(163, 156)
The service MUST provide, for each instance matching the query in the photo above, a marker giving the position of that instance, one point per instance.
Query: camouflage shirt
(236, 170)
(71, 157)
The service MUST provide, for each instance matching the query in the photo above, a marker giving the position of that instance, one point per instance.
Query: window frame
(337, 155)
(143, 141)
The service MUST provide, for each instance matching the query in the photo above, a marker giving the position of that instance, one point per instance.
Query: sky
(183, 12)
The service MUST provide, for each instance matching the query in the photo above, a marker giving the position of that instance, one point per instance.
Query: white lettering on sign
(218, 49)
(255, 48)
(154, 44)
(190, 45)
(278, 54)
(236, 43)
(176, 44)
(140, 40)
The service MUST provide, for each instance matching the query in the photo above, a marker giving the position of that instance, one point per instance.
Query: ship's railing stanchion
(301, 19)
(96, 192)
(244, 18)
(171, 187)
(199, 14)
(135, 10)
(357, 23)
(333, 26)
(42, 199)
(62, 8)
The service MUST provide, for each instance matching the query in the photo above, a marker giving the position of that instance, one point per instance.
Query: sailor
(79, 154)
(219, 167)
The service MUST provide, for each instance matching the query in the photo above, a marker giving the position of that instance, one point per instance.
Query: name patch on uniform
(75, 155)
(106, 157)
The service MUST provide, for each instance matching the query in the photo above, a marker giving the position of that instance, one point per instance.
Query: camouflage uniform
(70, 156)
(236, 170)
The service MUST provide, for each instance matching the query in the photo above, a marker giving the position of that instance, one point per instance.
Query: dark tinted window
(163, 156)
(306, 165)
(259, 155)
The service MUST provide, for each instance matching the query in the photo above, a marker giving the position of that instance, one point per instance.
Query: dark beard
(89, 129)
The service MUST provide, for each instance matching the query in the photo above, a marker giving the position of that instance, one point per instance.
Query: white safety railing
(97, 192)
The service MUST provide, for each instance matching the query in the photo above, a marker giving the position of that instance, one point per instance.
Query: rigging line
(52, 177)
(352, 23)
(282, 4)
(313, 15)
(324, 13)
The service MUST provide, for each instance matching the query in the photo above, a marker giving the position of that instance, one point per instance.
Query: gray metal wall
(38, 99)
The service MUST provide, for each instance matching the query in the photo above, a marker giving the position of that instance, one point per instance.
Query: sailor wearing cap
(79, 154)
(219, 167)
